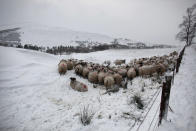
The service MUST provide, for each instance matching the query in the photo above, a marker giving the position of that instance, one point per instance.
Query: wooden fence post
(165, 98)
(173, 74)
(179, 60)
(177, 64)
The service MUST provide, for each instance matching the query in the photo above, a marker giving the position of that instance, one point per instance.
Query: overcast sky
(144, 20)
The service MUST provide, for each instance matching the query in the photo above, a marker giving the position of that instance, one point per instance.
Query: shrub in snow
(86, 116)
(142, 86)
(136, 99)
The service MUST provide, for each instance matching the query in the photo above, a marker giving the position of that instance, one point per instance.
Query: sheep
(166, 64)
(131, 73)
(123, 72)
(160, 68)
(173, 53)
(108, 82)
(146, 62)
(107, 63)
(140, 62)
(74, 61)
(101, 77)
(149, 70)
(93, 77)
(85, 72)
(78, 86)
(119, 62)
(62, 67)
(69, 65)
(78, 69)
(117, 78)
(146, 70)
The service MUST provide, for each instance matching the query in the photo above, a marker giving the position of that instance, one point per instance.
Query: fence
(162, 109)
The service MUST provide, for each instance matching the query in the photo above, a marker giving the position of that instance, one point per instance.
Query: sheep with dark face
(117, 78)
(109, 82)
(107, 63)
(78, 69)
(131, 73)
(62, 67)
(78, 86)
(93, 77)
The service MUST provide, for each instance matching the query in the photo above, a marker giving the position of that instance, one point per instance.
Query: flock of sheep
(109, 76)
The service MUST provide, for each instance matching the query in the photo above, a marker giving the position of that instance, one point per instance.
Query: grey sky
(145, 20)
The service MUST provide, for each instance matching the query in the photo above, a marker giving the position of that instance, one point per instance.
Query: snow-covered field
(33, 96)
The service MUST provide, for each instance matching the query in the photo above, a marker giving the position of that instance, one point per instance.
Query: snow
(33, 96)
(42, 35)
(113, 54)
(183, 96)
(48, 36)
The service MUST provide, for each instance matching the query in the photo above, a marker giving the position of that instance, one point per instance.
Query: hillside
(48, 36)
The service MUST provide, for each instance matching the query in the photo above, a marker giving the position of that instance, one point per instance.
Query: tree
(188, 26)
(115, 41)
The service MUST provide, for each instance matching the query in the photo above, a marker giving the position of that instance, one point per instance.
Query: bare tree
(188, 26)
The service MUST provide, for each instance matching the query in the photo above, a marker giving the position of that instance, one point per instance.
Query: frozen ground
(183, 96)
(34, 97)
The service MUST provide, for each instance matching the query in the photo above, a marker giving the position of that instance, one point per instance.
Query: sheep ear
(72, 78)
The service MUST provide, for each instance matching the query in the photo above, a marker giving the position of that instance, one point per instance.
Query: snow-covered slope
(41, 35)
(53, 36)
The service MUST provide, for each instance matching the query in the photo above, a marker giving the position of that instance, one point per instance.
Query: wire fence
(153, 126)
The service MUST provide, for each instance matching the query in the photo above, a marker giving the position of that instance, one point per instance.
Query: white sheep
(108, 82)
(76, 85)
(62, 67)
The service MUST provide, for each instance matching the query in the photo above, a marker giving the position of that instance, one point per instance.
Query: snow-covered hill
(51, 36)
(41, 35)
